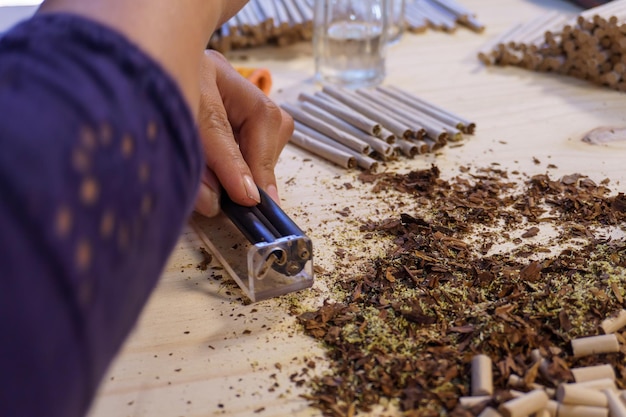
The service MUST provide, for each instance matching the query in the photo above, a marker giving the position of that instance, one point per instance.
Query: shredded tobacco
(476, 264)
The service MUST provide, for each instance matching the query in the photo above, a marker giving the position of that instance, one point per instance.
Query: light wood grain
(520, 115)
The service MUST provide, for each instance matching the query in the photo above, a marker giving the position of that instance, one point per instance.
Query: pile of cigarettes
(590, 46)
(260, 22)
(593, 394)
(362, 127)
(445, 15)
(283, 22)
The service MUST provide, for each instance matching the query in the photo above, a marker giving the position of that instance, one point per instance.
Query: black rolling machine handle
(267, 222)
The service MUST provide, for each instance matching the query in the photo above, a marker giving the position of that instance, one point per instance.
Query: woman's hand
(242, 132)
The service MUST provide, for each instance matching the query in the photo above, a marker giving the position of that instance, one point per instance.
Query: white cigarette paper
(330, 153)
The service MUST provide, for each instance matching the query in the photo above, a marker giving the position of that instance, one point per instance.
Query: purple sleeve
(588, 4)
(99, 167)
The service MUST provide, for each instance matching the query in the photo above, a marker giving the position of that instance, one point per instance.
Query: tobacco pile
(469, 270)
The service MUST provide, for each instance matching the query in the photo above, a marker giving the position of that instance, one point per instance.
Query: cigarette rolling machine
(262, 249)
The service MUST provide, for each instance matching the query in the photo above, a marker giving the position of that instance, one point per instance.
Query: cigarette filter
(489, 412)
(482, 378)
(593, 345)
(525, 405)
(590, 373)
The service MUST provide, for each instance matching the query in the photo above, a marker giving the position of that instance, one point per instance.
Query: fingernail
(208, 201)
(273, 192)
(251, 189)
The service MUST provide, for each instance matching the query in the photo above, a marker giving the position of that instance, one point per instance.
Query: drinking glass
(395, 25)
(349, 41)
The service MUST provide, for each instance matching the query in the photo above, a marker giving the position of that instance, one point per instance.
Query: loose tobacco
(468, 271)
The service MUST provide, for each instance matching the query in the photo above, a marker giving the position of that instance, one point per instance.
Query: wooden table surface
(198, 350)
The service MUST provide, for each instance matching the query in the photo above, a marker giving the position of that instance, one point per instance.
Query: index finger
(260, 126)
(221, 151)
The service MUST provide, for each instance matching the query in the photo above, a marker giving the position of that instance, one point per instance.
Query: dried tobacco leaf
(453, 283)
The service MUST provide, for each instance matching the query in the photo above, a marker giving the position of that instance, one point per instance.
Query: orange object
(260, 77)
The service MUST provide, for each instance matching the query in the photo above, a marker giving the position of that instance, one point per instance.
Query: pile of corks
(593, 394)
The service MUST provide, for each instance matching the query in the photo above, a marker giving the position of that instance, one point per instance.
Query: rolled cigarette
(590, 373)
(489, 412)
(537, 25)
(252, 25)
(343, 112)
(377, 144)
(455, 8)
(438, 16)
(305, 9)
(266, 22)
(408, 148)
(307, 13)
(362, 161)
(616, 406)
(525, 405)
(426, 145)
(613, 324)
(469, 402)
(365, 162)
(327, 129)
(330, 153)
(593, 345)
(488, 52)
(436, 112)
(568, 410)
(472, 23)
(577, 395)
(416, 23)
(269, 11)
(282, 15)
(373, 112)
(416, 129)
(602, 10)
(482, 376)
(424, 123)
(386, 135)
(296, 18)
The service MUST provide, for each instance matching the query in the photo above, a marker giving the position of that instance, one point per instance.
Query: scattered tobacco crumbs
(207, 258)
(453, 283)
